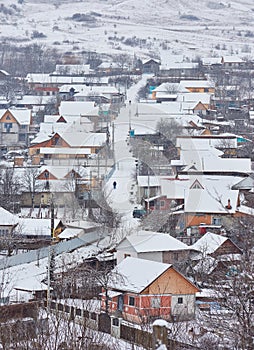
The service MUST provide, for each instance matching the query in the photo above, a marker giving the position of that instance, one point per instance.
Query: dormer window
(196, 185)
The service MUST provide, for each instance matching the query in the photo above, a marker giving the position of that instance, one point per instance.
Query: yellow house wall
(11, 120)
(171, 282)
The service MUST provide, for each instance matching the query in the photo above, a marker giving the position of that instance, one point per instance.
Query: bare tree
(169, 130)
(9, 189)
(31, 182)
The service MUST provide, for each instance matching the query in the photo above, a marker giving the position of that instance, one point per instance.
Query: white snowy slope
(193, 28)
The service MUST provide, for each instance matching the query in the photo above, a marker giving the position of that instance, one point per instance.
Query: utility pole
(148, 191)
(50, 251)
(113, 142)
(130, 115)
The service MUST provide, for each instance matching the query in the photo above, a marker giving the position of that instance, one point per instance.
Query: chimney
(228, 206)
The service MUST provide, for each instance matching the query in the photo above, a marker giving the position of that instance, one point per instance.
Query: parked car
(138, 212)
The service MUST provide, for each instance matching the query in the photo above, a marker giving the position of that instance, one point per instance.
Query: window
(180, 300)
(22, 137)
(78, 312)
(8, 126)
(216, 221)
(8, 117)
(176, 256)
(67, 308)
(156, 302)
(115, 322)
(162, 204)
(131, 301)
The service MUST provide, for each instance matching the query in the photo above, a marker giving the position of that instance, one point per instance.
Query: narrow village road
(123, 197)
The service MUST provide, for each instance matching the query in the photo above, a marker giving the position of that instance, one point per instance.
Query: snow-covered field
(181, 27)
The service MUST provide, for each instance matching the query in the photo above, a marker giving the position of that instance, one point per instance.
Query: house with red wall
(142, 290)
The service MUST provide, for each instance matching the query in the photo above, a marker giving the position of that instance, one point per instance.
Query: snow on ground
(191, 28)
(123, 197)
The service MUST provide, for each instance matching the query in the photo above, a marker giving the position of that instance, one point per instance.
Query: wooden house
(216, 245)
(142, 290)
(67, 145)
(218, 257)
(198, 86)
(14, 127)
(151, 66)
(8, 222)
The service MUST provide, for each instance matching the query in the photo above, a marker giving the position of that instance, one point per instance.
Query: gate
(104, 323)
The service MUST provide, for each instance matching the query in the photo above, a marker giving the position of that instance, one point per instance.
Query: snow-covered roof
(22, 115)
(207, 61)
(206, 141)
(75, 69)
(147, 241)
(245, 210)
(31, 284)
(196, 84)
(82, 224)
(78, 108)
(213, 197)
(216, 164)
(84, 90)
(200, 157)
(151, 181)
(209, 243)
(174, 188)
(81, 139)
(35, 100)
(179, 65)
(35, 227)
(70, 233)
(170, 88)
(7, 218)
(245, 184)
(44, 78)
(134, 275)
(61, 171)
(232, 59)
(41, 137)
(196, 97)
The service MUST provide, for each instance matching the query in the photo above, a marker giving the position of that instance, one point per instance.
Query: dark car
(138, 212)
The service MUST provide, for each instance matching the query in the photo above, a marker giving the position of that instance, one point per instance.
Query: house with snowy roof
(226, 143)
(215, 245)
(66, 145)
(151, 66)
(35, 228)
(217, 256)
(142, 290)
(232, 61)
(153, 246)
(8, 222)
(14, 127)
(48, 84)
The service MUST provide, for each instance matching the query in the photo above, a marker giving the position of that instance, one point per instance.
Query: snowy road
(123, 198)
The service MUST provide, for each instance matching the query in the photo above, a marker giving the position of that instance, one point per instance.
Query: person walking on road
(114, 185)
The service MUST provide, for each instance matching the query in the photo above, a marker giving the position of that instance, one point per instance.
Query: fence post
(160, 335)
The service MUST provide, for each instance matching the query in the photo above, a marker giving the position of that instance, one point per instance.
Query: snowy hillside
(113, 26)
